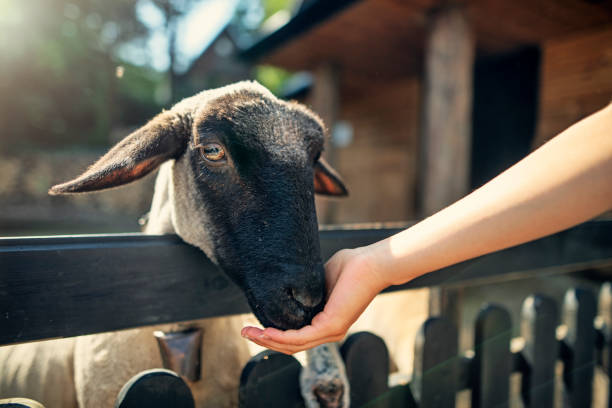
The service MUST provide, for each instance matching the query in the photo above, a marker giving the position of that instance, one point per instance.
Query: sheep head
(245, 169)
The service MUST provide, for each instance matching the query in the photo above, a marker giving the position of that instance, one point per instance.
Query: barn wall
(379, 166)
(27, 209)
(576, 80)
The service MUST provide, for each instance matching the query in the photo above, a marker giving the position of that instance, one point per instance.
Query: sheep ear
(327, 181)
(134, 157)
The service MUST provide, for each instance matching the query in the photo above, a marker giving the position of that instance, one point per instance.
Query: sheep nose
(305, 297)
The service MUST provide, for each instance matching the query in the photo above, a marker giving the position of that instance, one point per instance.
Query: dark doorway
(505, 111)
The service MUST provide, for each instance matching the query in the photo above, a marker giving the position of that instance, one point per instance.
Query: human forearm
(565, 182)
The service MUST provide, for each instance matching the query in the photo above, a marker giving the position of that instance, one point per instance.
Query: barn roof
(378, 40)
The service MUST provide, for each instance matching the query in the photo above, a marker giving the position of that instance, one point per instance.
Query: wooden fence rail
(67, 286)
(575, 337)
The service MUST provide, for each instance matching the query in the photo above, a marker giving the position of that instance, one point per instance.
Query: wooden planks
(325, 100)
(492, 362)
(439, 371)
(270, 379)
(366, 360)
(539, 318)
(575, 81)
(384, 39)
(605, 312)
(445, 142)
(436, 364)
(567, 251)
(578, 346)
(447, 109)
(68, 286)
(384, 120)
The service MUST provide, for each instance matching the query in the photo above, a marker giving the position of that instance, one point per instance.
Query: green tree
(249, 17)
(58, 76)
(173, 11)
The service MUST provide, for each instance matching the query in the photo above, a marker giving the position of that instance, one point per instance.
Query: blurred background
(425, 100)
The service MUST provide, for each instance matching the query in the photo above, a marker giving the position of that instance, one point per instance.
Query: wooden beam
(325, 96)
(447, 110)
(74, 285)
(325, 101)
(446, 126)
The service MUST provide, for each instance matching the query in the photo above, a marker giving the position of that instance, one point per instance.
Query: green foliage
(141, 94)
(57, 76)
(251, 14)
(59, 61)
(271, 77)
(273, 6)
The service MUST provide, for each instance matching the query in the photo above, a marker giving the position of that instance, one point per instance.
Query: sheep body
(42, 371)
(89, 371)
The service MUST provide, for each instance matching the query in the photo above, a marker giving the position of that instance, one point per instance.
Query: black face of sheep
(241, 188)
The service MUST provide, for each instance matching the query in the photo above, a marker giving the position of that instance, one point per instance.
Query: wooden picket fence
(76, 285)
(580, 337)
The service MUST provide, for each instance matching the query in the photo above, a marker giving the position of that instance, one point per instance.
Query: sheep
(238, 169)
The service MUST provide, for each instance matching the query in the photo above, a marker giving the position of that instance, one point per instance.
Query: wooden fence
(73, 285)
(54, 287)
(576, 337)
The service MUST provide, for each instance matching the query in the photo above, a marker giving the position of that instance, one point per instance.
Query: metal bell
(181, 352)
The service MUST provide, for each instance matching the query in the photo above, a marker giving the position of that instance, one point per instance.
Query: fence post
(492, 362)
(367, 367)
(436, 364)
(579, 346)
(270, 379)
(539, 318)
(605, 312)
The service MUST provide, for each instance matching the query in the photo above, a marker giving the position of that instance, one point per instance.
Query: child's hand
(352, 283)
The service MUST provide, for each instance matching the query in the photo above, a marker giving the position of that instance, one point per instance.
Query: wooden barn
(431, 99)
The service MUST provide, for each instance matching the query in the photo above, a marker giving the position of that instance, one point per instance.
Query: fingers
(260, 337)
(320, 327)
(322, 330)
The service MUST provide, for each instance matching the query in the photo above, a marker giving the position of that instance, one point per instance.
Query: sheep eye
(212, 152)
